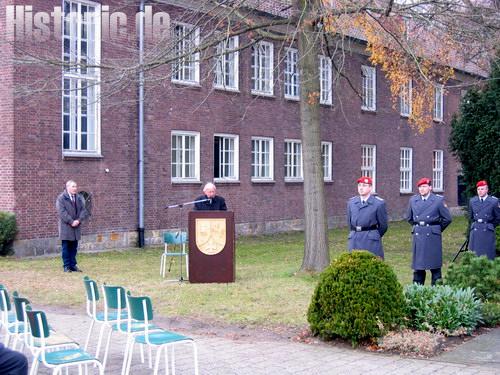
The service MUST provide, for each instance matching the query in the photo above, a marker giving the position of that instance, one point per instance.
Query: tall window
(226, 65)
(326, 155)
(186, 69)
(325, 82)
(262, 68)
(369, 88)
(405, 98)
(293, 160)
(80, 94)
(262, 159)
(226, 152)
(291, 74)
(437, 170)
(438, 103)
(368, 162)
(405, 169)
(185, 160)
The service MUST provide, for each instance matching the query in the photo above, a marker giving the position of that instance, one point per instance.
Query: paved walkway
(257, 356)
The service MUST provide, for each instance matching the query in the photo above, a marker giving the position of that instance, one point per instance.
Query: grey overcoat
(485, 216)
(67, 214)
(428, 219)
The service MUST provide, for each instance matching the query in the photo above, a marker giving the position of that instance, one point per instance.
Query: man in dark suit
(72, 212)
(429, 216)
(484, 213)
(367, 219)
(210, 201)
(12, 362)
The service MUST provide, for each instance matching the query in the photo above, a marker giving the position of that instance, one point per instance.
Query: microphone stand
(180, 206)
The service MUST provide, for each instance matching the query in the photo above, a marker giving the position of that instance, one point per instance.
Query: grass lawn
(268, 290)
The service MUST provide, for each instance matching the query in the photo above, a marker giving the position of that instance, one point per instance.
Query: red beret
(481, 183)
(424, 181)
(364, 180)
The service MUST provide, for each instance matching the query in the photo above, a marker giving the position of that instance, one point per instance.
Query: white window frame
(291, 74)
(437, 114)
(369, 88)
(262, 160)
(181, 163)
(405, 170)
(262, 68)
(186, 69)
(80, 101)
(293, 161)
(326, 158)
(325, 80)
(406, 98)
(227, 157)
(369, 163)
(227, 64)
(437, 170)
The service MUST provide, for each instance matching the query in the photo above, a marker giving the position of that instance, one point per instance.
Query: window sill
(81, 155)
(404, 116)
(263, 94)
(225, 181)
(227, 89)
(368, 110)
(406, 193)
(294, 180)
(189, 182)
(292, 98)
(187, 83)
(437, 120)
(263, 181)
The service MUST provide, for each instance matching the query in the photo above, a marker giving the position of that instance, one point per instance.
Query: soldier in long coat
(72, 212)
(484, 211)
(429, 216)
(367, 219)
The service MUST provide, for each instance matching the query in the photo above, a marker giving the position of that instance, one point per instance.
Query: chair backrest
(174, 237)
(114, 297)
(20, 304)
(140, 308)
(91, 289)
(38, 324)
(5, 305)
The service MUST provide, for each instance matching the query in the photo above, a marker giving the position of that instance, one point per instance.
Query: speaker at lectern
(211, 247)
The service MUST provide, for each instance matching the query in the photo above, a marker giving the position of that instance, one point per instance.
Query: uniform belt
(364, 229)
(425, 224)
(482, 221)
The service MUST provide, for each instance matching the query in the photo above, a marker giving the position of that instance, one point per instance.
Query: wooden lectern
(211, 247)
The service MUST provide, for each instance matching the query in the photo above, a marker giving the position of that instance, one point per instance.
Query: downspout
(140, 229)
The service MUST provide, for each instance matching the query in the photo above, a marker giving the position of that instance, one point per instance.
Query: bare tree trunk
(316, 253)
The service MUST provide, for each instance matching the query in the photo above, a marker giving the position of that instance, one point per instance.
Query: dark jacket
(485, 216)
(67, 214)
(217, 203)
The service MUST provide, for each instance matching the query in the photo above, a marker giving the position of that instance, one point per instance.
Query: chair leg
(157, 360)
(173, 359)
(87, 341)
(105, 358)
(187, 266)
(195, 355)
(125, 355)
(99, 341)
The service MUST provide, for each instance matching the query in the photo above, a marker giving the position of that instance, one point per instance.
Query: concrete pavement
(226, 355)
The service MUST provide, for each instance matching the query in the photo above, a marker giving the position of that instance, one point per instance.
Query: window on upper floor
(326, 156)
(186, 68)
(405, 169)
(437, 170)
(369, 88)
(291, 74)
(438, 103)
(262, 159)
(369, 162)
(325, 82)
(81, 81)
(185, 156)
(226, 157)
(293, 160)
(262, 68)
(226, 64)
(405, 98)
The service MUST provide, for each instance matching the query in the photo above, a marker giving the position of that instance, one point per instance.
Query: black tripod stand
(465, 246)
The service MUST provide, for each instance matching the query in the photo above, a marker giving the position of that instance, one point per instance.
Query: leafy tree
(476, 131)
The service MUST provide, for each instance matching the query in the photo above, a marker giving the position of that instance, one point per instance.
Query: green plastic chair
(57, 359)
(175, 247)
(141, 310)
(7, 316)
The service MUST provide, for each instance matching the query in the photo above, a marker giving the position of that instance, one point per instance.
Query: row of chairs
(131, 316)
(30, 329)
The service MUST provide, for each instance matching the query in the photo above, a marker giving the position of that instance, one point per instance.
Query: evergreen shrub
(357, 297)
(8, 230)
(476, 272)
(442, 308)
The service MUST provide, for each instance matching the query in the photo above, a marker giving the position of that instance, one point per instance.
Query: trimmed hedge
(8, 230)
(358, 297)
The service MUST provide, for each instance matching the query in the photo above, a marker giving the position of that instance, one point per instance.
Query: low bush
(8, 230)
(491, 314)
(476, 272)
(442, 308)
(357, 297)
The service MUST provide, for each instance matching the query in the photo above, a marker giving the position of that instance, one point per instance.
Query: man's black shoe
(67, 269)
(75, 269)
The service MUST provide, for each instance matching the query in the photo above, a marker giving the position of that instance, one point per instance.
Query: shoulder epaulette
(380, 199)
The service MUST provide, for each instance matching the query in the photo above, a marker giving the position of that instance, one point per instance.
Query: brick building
(234, 121)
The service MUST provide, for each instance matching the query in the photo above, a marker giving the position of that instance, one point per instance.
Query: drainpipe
(140, 229)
